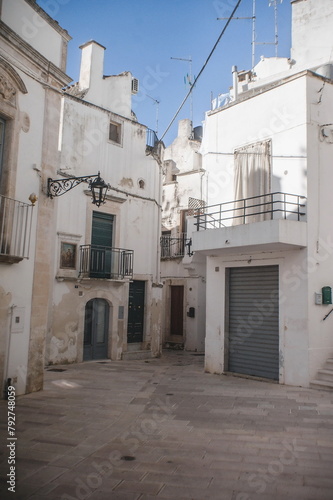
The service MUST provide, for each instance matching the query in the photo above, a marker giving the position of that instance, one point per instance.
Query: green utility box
(327, 294)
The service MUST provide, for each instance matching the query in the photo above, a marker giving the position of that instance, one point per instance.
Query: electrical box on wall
(327, 294)
(191, 312)
(318, 299)
(17, 325)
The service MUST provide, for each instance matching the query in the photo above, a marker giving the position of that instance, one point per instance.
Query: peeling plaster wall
(133, 200)
(65, 342)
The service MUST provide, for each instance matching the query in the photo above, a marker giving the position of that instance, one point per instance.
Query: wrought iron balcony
(106, 262)
(175, 246)
(151, 139)
(15, 230)
(271, 206)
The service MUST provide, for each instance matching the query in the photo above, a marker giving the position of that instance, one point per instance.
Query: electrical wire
(203, 67)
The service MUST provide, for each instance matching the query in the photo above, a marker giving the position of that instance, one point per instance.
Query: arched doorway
(96, 329)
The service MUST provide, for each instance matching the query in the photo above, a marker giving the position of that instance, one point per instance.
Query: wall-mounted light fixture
(58, 187)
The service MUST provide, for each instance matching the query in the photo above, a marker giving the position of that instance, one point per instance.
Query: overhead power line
(203, 67)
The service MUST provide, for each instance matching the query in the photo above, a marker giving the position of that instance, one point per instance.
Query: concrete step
(326, 375)
(176, 346)
(136, 355)
(322, 385)
(329, 364)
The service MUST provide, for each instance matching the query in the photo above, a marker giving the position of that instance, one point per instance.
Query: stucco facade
(99, 133)
(289, 113)
(182, 272)
(32, 75)
(72, 272)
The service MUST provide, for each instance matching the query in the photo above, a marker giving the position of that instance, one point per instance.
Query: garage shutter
(254, 321)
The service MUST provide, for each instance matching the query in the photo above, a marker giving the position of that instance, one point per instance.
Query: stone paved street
(164, 429)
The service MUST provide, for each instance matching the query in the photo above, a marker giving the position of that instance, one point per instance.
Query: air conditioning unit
(135, 85)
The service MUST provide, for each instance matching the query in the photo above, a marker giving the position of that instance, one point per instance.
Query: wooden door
(177, 310)
(136, 306)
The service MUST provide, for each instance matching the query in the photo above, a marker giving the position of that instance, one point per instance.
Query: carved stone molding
(7, 91)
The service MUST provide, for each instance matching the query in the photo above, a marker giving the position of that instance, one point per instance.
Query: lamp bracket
(58, 187)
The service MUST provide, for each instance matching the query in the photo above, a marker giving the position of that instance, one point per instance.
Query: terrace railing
(254, 209)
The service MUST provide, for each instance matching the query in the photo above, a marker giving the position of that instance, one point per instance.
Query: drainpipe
(235, 82)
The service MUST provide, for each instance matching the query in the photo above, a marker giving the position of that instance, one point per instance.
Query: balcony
(15, 230)
(105, 262)
(173, 247)
(271, 222)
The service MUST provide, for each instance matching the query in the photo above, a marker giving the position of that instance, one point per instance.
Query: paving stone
(215, 438)
(141, 487)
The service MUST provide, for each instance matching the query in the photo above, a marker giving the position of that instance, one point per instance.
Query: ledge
(266, 236)
(10, 259)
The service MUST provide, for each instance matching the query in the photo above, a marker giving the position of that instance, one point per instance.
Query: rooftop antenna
(254, 34)
(273, 3)
(189, 60)
(157, 109)
(253, 17)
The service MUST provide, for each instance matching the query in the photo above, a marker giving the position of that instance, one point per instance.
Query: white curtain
(252, 178)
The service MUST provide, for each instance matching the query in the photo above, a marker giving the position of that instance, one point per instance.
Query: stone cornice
(33, 55)
(55, 25)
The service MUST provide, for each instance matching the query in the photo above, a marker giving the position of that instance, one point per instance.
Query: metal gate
(253, 321)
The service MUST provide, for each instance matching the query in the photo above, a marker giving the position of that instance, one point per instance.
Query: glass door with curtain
(252, 181)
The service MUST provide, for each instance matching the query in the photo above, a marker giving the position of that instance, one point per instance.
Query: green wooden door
(136, 307)
(101, 244)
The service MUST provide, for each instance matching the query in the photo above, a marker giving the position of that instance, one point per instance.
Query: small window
(141, 184)
(115, 132)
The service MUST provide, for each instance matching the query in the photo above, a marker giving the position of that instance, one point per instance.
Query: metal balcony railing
(151, 139)
(254, 209)
(15, 229)
(174, 246)
(106, 262)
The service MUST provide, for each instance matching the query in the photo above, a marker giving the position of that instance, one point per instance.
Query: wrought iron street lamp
(58, 187)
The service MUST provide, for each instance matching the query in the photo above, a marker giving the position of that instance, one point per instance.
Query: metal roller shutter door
(254, 321)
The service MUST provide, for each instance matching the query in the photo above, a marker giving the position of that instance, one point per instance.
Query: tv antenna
(254, 42)
(189, 60)
(157, 109)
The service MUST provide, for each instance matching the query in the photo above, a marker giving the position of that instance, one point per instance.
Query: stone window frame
(115, 133)
(64, 273)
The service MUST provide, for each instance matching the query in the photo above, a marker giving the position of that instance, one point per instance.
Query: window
(102, 261)
(115, 132)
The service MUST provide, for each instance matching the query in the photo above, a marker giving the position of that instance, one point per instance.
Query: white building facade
(182, 272)
(267, 234)
(106, 289)
(33, 61)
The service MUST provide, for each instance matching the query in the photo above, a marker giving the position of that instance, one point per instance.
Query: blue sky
(141, 36)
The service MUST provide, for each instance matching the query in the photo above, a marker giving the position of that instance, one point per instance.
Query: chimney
(92, 64)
